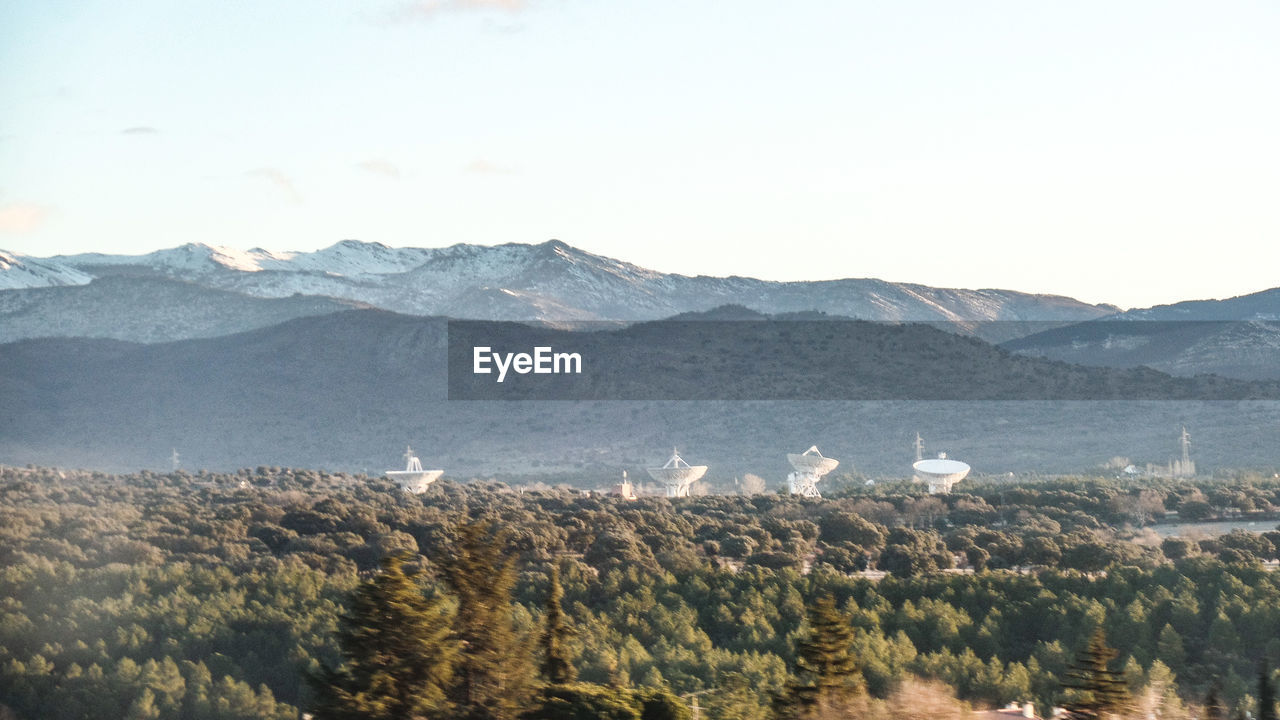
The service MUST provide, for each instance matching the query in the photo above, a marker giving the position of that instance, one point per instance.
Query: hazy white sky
(1115, 152)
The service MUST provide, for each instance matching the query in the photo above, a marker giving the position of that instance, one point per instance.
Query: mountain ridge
(550, 281)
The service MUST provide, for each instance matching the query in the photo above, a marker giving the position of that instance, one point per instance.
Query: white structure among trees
(413, 479)
(940, 473)
(677, 475)
(809, 466)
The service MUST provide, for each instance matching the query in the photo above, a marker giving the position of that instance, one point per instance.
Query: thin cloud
(280, 180)
(16, 218)
(140, 130)
(380, 167)
(484, 167)
(428, 9)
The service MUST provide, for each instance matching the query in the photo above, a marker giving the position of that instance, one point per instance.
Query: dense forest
(227, 595)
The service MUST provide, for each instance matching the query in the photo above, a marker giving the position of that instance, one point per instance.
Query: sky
(1114, 152)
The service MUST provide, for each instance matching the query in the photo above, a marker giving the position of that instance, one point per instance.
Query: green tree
(585, 701)
(557, 668)
(660, 704)
(1266, 694)
(493, 679)
(1095, 691)
(1170, 649)
(829, 679)
(1213, 707)
(398, 651)
(144, 707)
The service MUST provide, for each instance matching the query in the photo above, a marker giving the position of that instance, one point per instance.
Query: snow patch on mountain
(191, 258)
(20, 271)
(353, 257)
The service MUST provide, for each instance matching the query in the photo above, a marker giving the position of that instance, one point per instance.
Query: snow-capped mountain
(192, 258)
(548, 281)
(346, 258)
(20, 271)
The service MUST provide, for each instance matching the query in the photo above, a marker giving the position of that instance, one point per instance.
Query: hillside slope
(347, 390)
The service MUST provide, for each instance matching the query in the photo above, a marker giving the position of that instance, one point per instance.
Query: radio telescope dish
(413, 479)
(810, 466)
(940, 473)
(677, 475)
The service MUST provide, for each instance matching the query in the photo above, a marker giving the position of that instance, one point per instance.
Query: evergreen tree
(494, 674)
(1095, 690)
(661, 704)
(557, 668)
(585, 701)
(1158, 698)
(1170, 648)
(1213, 707)
(144, 707)
(1266, 694)
(398, 651)
(829, 679)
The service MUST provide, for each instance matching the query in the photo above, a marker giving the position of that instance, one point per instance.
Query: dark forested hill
(347, 390)
(147, 309)
(1231, 348)
(1235, 337)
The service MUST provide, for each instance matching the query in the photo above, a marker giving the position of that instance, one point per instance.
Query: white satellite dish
(413, 479)
(677, 475)
(940, 473)
(810, 466)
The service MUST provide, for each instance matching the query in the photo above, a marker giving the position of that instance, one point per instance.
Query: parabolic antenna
(677, 475)
(810, 466)
(941, 473)
(413, 479)
(812, 461)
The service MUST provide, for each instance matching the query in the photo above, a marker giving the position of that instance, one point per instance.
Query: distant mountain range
(336, 357)
(550, 281)
(197, 290)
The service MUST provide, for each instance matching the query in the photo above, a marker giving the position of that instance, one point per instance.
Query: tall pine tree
(557, 667)
(1095, 691)
(1213, 707)
(1266, 693)
(398, 653)
(828, 677)
(493, 678)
